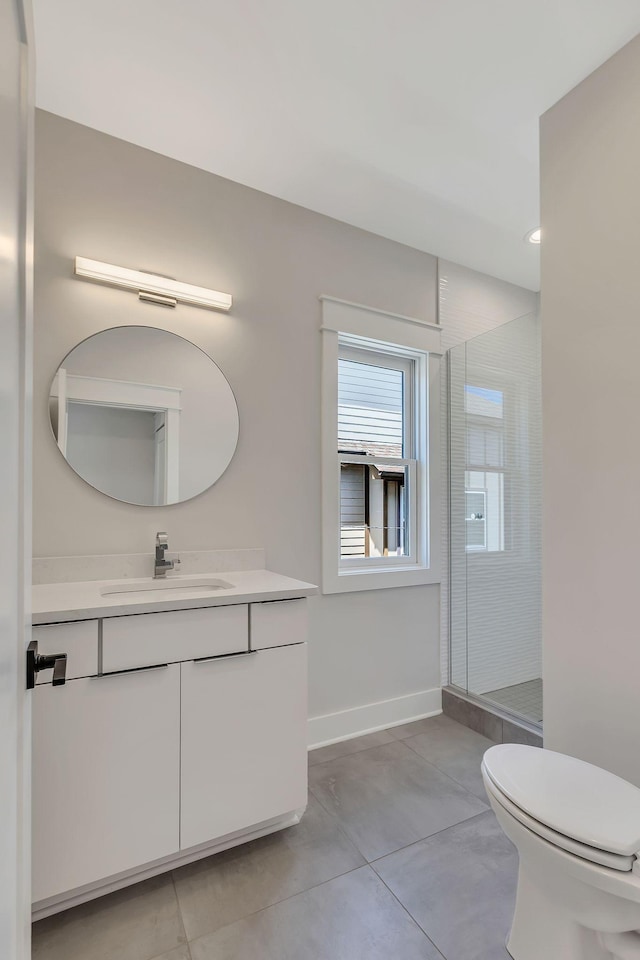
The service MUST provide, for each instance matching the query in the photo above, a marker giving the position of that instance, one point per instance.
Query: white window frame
(350, 348)
(348, 325)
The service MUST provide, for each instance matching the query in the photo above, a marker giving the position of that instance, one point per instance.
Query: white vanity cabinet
(106, 759)
(244, 741)
(277, 624)
(78, 640)
(151, 638)
(176, 734)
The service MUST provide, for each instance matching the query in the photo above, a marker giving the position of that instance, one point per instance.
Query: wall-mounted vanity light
(151, 286)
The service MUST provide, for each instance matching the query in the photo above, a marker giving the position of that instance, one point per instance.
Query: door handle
(39, 661)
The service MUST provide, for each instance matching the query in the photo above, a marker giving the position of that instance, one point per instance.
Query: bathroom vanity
(181, 728)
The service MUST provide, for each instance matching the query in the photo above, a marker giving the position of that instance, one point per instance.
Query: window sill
(381, 578)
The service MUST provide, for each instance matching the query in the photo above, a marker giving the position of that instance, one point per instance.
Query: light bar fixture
(151, 286)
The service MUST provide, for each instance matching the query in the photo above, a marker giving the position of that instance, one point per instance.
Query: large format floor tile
(412, 729)
(138, 923)
(240, 881)
(460, 887)
(388, 797)
(346, 747)
(353, 917)
(306, 893)
(454, 749)
(180, 953)
(472, 715)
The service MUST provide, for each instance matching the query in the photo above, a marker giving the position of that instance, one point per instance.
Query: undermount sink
(178, 584)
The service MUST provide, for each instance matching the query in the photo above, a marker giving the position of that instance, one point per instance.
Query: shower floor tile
(523, 698)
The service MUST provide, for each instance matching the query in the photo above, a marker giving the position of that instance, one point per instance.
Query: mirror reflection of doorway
(119, 436)
(154, 386)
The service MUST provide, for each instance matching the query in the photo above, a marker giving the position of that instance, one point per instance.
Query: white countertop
(60, 602)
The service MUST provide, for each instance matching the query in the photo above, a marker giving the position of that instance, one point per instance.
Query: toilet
(577, 831)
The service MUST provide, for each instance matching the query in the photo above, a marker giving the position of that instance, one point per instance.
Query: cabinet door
(106, 764)
(244, 741)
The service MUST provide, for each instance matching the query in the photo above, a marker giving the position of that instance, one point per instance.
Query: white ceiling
(416, 119)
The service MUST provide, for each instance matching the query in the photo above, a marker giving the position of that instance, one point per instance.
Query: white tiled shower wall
(471, 304)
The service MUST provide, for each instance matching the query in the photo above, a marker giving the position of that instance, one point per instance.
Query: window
(379, 421)
(485, 469)
(375, 445)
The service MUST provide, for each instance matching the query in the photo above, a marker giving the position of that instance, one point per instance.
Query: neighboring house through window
(375, 432)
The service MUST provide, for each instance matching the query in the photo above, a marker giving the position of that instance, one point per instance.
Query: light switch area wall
(109, 200)
(590, 156)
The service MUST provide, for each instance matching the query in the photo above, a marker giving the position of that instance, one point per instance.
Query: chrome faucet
(162, 565)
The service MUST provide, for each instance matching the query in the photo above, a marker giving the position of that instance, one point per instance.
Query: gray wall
(105, 199)
(590, 157)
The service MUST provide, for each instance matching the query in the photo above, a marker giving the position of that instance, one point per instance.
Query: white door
(16, 123)
(244, 750)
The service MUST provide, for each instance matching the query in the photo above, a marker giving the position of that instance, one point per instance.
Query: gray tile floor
(523, 698)
(397, 856)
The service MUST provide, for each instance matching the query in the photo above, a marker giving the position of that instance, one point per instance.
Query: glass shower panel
(495, 500)
(457, 527)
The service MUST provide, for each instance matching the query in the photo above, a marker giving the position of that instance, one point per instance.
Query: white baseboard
(370, 717)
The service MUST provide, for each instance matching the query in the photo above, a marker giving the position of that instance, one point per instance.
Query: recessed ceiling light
(534, 236)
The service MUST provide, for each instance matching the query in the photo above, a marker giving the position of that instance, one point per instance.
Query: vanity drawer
(278, 623)
(78, 640)
(146, 639)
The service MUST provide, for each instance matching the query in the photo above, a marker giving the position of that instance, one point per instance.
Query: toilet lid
(571, 797)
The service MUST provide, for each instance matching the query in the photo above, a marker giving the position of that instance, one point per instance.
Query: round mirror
(143, 415)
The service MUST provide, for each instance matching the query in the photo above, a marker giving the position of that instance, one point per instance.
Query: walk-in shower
(494, 435)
